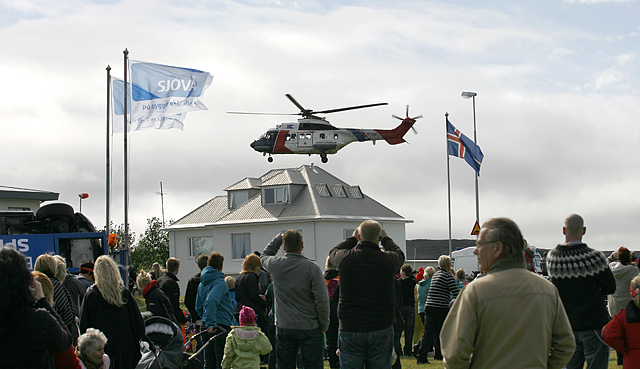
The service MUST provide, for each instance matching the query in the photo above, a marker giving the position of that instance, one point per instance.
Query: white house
(322, 207)
(23, 199)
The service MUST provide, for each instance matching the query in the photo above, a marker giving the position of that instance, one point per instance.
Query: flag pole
(126, 167)
(446, 118)
(108, 175)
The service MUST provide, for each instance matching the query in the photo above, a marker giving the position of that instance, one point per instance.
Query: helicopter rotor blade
(407, 110)
(397, 117)
(241, 112)
(348, 108)
(414, 129)
(302, 109)
(418, 117)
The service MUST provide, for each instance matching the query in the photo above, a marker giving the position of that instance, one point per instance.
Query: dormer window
(238, 198)
(276, 195)
(338, 191)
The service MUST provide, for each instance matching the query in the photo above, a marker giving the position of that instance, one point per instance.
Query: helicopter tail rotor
(415, 131)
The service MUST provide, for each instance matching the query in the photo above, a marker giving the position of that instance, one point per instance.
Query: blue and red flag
(462, 147)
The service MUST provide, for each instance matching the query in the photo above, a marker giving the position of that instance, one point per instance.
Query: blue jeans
(589, 347)
(365, 349)
(310, 342)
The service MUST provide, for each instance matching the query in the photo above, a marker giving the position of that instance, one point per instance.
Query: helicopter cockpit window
(293, 136)
(322, 136)
(335, 136)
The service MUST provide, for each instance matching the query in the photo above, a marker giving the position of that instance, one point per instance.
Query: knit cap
(247, 316)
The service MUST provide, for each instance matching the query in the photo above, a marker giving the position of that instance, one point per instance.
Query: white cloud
(550, 107)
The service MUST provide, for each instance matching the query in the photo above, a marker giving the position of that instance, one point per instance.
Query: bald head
(370, 231)
(573, 228)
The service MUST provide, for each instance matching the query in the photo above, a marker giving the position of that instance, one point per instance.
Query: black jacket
(367, 277)
(122, 325)
(157, 302)
(28, 337)
(247, 293)
(190, 296)
(169, 284)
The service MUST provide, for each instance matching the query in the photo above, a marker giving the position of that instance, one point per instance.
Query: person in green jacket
(245, 343)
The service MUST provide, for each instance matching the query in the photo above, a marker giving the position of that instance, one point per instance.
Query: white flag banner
(153, 122)
(163, 90)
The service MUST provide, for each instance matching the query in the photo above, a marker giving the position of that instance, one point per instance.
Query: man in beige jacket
(510, 318)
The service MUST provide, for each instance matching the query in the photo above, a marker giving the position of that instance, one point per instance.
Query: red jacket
(623, 334)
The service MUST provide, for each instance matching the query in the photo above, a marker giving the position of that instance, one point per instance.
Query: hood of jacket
(245, 337)
(423, 282)
(621, 271)
(210, 274)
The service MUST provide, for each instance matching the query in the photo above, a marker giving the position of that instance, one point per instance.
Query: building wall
(6, 204)
(319, 238)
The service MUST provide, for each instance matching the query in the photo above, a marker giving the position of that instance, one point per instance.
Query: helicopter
(313, 134)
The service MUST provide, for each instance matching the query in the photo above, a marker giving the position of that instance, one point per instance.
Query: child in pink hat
(245, 343)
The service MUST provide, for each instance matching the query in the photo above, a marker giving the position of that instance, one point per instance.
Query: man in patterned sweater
(583, 279)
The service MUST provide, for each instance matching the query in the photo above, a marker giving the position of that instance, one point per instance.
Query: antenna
(161, 193)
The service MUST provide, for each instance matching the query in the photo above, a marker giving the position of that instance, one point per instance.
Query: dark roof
(7, 192)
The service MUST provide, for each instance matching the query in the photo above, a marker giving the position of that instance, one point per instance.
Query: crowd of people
(283, 311)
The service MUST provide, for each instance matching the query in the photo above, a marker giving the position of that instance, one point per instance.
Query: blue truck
(57, 229)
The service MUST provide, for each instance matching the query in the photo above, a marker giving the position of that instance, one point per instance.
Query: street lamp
(472, 95)
(82, 196)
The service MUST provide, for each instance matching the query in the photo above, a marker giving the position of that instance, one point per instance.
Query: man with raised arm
(366, 305)
(301, 302)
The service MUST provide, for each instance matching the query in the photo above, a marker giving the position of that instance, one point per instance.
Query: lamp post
(82, 196)
(472, 95)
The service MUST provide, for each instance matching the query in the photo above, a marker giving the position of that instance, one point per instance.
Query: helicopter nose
(260, 146)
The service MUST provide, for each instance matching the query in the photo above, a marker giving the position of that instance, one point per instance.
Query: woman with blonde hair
(111, 308)
(248, 291)
(47, 286)
(63, 304)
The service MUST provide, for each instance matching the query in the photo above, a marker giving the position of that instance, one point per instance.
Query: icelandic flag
(462, 147)
(163, 90)
(154, 122)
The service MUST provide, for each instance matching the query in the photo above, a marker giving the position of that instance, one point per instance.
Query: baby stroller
(195, 361)
(162, 346)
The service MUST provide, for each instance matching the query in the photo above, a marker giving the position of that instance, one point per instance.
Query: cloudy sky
(557, 106)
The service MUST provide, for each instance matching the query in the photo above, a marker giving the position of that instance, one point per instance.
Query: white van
(465, 259)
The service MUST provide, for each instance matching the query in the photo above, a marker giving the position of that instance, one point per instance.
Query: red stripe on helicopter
(279, 147)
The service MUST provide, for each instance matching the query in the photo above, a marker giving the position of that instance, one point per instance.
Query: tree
(152, 247)
(119, 231)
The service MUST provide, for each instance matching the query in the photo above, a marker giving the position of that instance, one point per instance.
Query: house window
(355, 192)
(240, 245)
(238, 198)
(200, 245)
(323, 189)
(276, 195)
(338, 190)
(347, 233)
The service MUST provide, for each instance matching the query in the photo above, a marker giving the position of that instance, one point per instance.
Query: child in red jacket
(623, 331)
